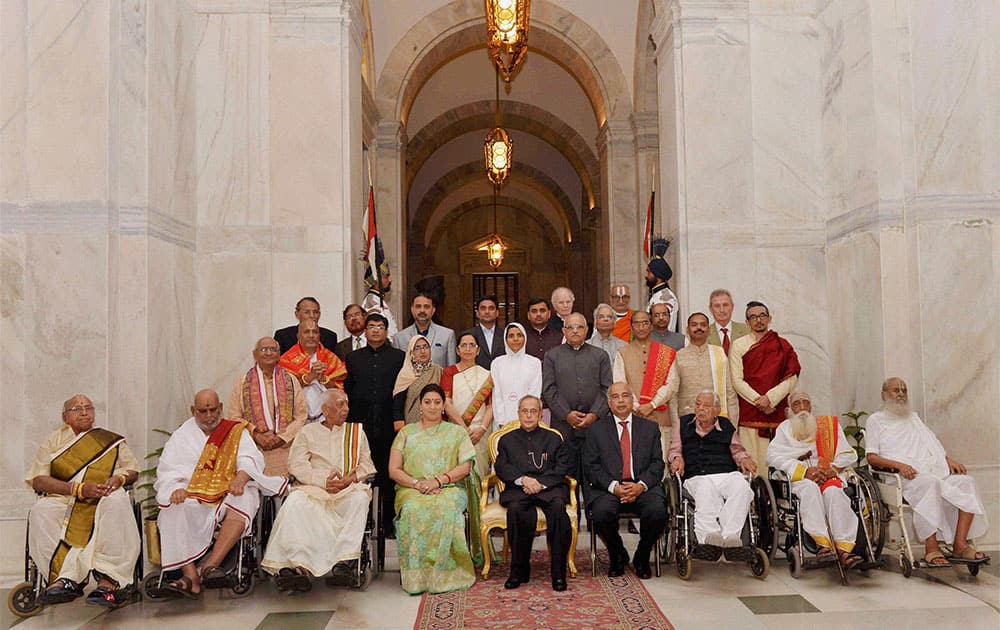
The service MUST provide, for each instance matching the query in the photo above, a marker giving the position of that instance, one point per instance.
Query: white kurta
(783, 454)
(515, 374)
(186, 528)
(315, 529)
(935, 495)
(114, 545)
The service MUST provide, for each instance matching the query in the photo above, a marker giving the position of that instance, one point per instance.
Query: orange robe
(296, 361)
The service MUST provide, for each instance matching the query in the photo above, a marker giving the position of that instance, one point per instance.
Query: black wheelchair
(370, 563)
(24, 599)
(680, 545)
(866, 502)
(240, 567)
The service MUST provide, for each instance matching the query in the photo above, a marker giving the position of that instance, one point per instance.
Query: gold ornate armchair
(492, 515)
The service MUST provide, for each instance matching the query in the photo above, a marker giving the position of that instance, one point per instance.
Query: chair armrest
(777, 475)
(370, 479)
(884, 469)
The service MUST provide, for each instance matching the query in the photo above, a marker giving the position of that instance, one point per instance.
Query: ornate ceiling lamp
(495, 245)
(507, 33)
(498, 147)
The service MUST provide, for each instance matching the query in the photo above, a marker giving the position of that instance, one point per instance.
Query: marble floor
(718, 596)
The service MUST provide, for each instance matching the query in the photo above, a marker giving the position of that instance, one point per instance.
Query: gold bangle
(78, 493)
(123, 477)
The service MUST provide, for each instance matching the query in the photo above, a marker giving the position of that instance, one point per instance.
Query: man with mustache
(814, 452)
(946, 505)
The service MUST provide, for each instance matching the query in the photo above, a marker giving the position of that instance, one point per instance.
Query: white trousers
(835, 505)
(722, 502)
(113, 548)
(316, 533)
(936, 503)
(186, 529)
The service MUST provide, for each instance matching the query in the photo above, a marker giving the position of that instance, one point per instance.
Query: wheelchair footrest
(739, 554)
(711, 553)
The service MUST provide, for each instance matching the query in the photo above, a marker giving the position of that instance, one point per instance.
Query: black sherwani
(539, 454)
(371, 375)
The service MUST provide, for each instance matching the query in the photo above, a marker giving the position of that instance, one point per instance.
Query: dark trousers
(650, 507)
(522, 519)
(386, 486)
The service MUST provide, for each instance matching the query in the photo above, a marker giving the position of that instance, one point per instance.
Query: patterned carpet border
(601, 602)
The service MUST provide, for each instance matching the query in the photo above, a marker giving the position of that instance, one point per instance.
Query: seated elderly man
(814, 452)
(84, 521)
(322, 522)
(316, 367)
(946, 505)
(706, 451)
(270, 399)
(210, 475)
(533, 464)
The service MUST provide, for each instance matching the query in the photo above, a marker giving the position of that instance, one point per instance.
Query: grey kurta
(575, 380)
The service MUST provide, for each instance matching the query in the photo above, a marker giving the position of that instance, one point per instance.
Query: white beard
(804, 426)
(899, 409)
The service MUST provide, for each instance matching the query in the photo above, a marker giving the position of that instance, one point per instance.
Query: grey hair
(715, 397)
(528, 397)
(603, 305)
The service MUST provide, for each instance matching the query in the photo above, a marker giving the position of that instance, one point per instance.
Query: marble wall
(173, 177)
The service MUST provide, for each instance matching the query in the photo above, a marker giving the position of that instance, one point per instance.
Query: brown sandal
(182, 587)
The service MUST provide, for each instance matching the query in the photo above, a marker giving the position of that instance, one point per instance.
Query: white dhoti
(722, 502)
(316, 530)
(113, 548)
(837, 508)
(187, 529)
(936, 503)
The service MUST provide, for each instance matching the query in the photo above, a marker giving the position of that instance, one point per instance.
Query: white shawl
(515, 374)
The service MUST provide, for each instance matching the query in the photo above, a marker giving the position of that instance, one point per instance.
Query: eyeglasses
(80, 408)
(267, 350)
(620, 297)
(355, 316)
(641, 324)
(375, 327)
(758, 316)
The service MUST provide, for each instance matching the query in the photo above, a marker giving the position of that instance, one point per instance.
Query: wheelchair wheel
(973, 569)
(905, 566)
(22, 601)
(760, 566)
(683, 566)
(764, 511)
(244, 584)
(875, 516)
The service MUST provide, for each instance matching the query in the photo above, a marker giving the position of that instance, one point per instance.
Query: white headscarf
(515, 374)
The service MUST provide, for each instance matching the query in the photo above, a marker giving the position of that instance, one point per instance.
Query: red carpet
(600, 602)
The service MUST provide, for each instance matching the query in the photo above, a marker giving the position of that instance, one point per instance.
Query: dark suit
(602, 463)
(486, 355)
(288, 337)
(541, 455)
(345, 347)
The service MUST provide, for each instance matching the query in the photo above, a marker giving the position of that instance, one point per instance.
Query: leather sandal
(932, 557)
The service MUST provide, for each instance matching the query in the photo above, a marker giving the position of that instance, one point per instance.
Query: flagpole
(368, 242)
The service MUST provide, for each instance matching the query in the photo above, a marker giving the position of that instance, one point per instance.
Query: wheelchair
(680, 545)
(866, 502)
(241, 565)
(890, 484)
(371, 561)
(24, 598)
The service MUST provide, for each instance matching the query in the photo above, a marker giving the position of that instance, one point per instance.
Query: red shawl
(767, 363)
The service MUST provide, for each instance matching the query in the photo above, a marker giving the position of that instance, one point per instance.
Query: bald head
(308, 336)
(575, 329)
(207, 410)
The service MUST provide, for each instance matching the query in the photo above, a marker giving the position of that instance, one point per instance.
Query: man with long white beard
(946, 505)
(814, 452)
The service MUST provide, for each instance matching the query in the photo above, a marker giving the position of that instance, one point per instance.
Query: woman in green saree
(429, 462)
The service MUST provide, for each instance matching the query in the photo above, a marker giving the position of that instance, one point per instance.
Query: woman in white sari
(515, 375)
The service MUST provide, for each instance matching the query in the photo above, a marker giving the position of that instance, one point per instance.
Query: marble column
(620, 241)
(390, 182)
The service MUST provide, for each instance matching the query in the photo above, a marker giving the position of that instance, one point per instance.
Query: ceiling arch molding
(516, 115)
(527, 176)
(458, 27)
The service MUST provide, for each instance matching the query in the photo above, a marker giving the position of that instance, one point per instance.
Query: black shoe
(346, 569)
(643, 570)
(62, 590)
(512, 582)
(108, 597)
(558, 584)
(617, 568)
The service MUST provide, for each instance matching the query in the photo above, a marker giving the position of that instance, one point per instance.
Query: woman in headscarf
(418, 371)
(515, 375)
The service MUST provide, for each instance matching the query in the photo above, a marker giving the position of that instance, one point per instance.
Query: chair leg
(593, 550)
(484, 539)
(572, 552)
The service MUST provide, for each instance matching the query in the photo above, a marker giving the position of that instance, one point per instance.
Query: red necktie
(725, 341)
(626, 444)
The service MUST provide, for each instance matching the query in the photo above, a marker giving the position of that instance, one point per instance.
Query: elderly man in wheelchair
(813, 455)
(706, 452)
(944, 500)
(322, 524)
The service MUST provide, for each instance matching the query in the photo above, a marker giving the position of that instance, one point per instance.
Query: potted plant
(149, 506)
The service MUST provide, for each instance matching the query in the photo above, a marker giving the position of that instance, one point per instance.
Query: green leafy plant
(855, 433)
(148, 503)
